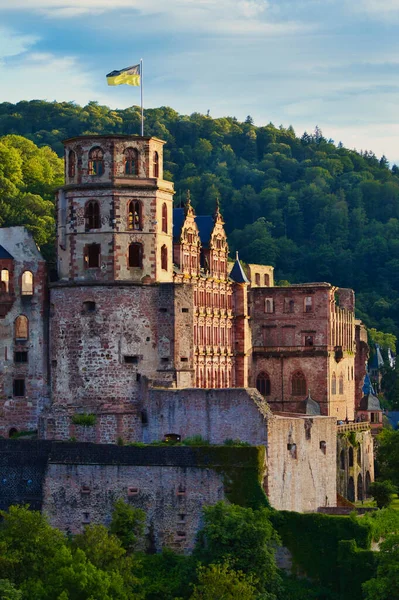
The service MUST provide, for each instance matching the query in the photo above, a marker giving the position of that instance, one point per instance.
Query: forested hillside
(314, 209)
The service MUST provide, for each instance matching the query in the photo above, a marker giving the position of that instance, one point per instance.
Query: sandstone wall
(355, 461)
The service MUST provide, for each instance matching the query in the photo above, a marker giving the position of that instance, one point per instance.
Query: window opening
(135, 217)
(27, 283)
(263, 384)
(269, 307)
(5, 280)
(96, 161)
(92, 216)
(298, 384)
(131, 161)
(164, 218)
(136, 256)
(71, 163)
(266, 280)
(308, 340)
(351, 456)
(308, 304)
(92, 256)
(257, 278)
(341, 384)
(164, 258)
(20, 357)
(21, 328)
(19, 388)
(156, 164)
(89, 306)
(131, 360)
(333, 384)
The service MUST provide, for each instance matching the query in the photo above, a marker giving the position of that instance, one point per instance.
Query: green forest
(312, 208)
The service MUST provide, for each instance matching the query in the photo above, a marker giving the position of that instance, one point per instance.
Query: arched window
(92, 215)
(257, 278)
(135, 216)
(263, 384)
(71, 163)
(350, 456)
(308, 304)
(368, 481)
(27, 283)
(4, 281)
(21, 328)
(359, 456)
(333, 384)
(136, 256)
(342, 460)
(164, 218)
(164, 258)
(269, 305)
(96, 161)
(341, 384)
(131, 161)
(298, 384)
(156, 164)
(266, 280)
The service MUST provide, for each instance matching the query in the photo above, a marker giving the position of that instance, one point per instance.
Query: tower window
(92, 256)
(71, 163)
(131, 161)
(266, 280)
(298, 384)
(92, 215)
(164, 258)
(135, 216)
(4, 281)
(263, 384)
(19, 388)
(341, 384)
(135, 256)
(333, 384)
(164, 218)
(96, 161)
(257, 278)
(156, 164)
(27, 283)
(21, 328)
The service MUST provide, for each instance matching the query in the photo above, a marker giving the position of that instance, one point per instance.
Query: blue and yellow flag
(129, 76)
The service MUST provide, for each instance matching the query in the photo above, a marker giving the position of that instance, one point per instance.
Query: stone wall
(22, 358)
(355, 461)
(301, 456)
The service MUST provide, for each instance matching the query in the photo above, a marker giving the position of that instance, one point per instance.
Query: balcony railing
(361, 426)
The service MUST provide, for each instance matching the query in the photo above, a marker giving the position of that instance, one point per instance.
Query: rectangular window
(309, 341)
(257, 278)
(308, 304)
(288, 305)
(19, 388)
(20, 357)
(131, 360)
(269, 305)
(92, 256)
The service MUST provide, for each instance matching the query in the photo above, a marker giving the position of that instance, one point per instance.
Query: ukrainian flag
(129, 76)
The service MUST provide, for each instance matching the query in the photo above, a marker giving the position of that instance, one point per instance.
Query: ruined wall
(22, 359)
(355, 460)
(301, 456)
(216, 415)
(362, 355)
(260, 275)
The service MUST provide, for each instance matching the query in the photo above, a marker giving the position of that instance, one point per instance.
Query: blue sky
(331, 63)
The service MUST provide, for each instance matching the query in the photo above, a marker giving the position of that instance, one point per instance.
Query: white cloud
(12, 44)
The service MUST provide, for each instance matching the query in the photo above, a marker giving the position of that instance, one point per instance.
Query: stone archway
(367, 486)
(359, 487)
(351, 490)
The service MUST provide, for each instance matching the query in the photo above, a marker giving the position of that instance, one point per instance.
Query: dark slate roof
(311, 406)
(205, 226)
(4, 253)
(367, 385)
(370, 402)
(178, 220)
(377, 361)
(393, 418)
(237, 272)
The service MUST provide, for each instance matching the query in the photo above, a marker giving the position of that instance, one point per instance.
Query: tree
(388, 455)
(382, 492)
(245, 538)
(386, 585)
(8, 591)
(127, 524)
(220, 582)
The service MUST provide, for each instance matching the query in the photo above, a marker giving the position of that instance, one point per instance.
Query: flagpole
(141, 94)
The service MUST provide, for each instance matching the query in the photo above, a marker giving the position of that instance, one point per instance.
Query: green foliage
(127, 524)
(294, 588)
(237, 442)
(243, 536)
(356, 566)
(84, 419)
(382, 522)
(8, 591)
(385, 340)
(313, 209)
(166, 575)
(195, 440)
(385, 586)
(221, 582)
(382, 492)
(388, 455)
(314, 541)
